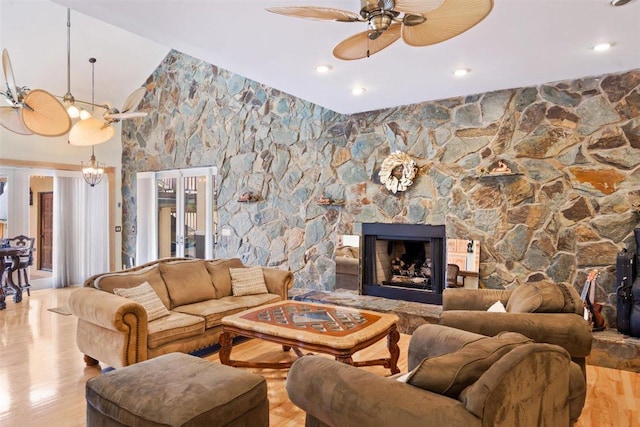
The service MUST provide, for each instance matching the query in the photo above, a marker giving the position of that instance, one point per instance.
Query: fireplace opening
(404, 261)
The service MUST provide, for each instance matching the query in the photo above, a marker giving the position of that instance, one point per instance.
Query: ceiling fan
(39, 112)
(418, 22)
(30, 111)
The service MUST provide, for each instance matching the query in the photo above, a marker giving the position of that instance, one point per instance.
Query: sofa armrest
(341, 395)
(568, 330)
(278, 281)
(473, 299)
(111, 329)
(104, 309)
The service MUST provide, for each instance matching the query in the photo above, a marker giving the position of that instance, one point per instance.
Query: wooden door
(45, 240)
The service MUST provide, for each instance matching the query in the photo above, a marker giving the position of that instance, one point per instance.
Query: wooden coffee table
(338, 331)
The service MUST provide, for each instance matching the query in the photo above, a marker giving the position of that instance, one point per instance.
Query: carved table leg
(90, 361)
(3, 304)
(226, 344)
(17, 296)
(392, 344)
(345, 359)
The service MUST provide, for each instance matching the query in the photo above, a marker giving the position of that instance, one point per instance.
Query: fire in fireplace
(404, 261)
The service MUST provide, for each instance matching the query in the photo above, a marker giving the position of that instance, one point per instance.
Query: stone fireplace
(404, 261)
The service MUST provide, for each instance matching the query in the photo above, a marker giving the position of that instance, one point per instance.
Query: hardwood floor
(42, 375)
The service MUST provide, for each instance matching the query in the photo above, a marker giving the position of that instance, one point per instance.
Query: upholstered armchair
(457, 378)
(544, 311)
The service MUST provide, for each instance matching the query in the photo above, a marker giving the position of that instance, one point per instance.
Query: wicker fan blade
(134, 100)
(453, 18)
(10, 119)
(90, 132)
(44, 115)
(121, 116)
(318, 13)
(417, 7)
(360, 46)
(8, 74)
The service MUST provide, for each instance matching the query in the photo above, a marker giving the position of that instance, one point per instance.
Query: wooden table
(14, 254)
(338, 331)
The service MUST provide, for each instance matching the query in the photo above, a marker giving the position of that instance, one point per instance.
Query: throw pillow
(145, 296)
(544, 296)
(451, 373)
(247, 281)
(497, 307)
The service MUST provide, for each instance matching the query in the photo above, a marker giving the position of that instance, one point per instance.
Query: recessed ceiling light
(461, 72)
(601, 47)
(324, 68)
(358, 90)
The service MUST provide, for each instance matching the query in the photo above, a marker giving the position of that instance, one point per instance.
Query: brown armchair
(520, 384)
(544, 311)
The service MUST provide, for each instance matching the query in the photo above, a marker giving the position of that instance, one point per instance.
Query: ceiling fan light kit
(417, 22)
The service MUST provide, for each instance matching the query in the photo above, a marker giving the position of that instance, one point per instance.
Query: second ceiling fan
(418, 22)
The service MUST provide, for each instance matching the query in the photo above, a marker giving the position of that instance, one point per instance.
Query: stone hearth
(610, 349)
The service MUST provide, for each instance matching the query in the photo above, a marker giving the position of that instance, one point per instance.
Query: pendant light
(91, 131)
(92, 171)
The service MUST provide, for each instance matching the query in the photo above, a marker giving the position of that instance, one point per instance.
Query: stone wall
(573, 147)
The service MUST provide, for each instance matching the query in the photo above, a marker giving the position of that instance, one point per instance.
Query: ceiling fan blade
(417, 7)
(360, 46)
(134, 100)
(10, 119)
(44, 115)
(90, 132)
(451, 19)
(318, 13)
(8, 74)
(122, 116)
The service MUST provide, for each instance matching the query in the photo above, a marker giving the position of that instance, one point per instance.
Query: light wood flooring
(42, 375)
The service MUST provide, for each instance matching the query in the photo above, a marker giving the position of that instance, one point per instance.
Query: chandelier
(92, 171)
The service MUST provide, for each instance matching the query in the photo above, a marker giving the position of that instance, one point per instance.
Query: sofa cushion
(544, 297)
(174, 327)
(145, 296)
(451, 373)
(214, 310)
(247, 281)
(187, 282)
(129, 279)
(219, 273)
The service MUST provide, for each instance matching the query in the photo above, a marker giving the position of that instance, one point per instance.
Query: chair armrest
(278, 281)
(341, 395)
(473, 299)
(568, 330)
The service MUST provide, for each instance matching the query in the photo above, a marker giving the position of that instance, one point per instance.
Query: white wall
(35, 34)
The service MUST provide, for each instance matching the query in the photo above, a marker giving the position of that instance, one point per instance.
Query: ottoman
(177, 389)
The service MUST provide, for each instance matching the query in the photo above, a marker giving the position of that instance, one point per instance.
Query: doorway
(175, 214)
(45, 234)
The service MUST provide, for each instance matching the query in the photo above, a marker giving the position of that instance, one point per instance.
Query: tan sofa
(115, 331)
(500, 382)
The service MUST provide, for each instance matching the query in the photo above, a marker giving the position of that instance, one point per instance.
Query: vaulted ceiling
(520, 43)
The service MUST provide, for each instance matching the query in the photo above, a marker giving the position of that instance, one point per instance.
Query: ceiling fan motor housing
(619, 2)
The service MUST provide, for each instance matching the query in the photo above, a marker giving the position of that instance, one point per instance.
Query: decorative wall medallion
(397, 172)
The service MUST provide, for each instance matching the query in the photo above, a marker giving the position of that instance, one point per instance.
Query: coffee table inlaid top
(322, 324)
